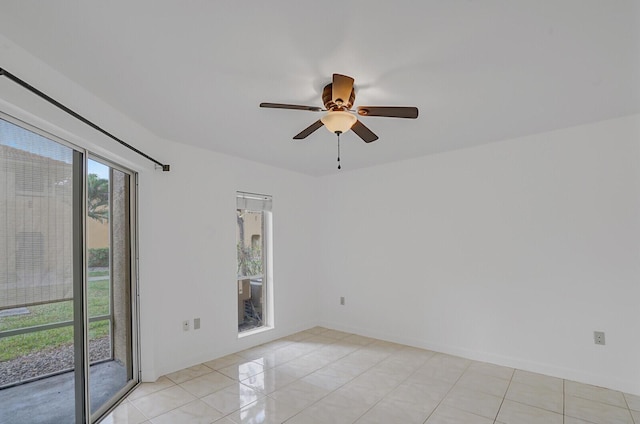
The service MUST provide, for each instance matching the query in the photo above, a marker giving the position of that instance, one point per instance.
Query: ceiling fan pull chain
(338, 133)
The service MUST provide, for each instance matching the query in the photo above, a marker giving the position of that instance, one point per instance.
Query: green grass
(23, 344)
(98, 301)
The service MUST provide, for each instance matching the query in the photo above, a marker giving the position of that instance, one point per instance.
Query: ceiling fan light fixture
(338, 121)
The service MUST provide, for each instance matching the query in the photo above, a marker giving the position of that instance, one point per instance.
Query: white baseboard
(628, 386)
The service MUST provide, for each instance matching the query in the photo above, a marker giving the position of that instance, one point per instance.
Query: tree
(249, 257)
(98, 198)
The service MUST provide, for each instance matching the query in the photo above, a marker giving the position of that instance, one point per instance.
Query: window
(255, 241)
(253, 245)
(29, 252)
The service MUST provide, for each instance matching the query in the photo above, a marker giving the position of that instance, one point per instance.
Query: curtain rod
(4, 72)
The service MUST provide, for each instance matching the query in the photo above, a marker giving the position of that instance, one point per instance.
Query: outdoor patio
(51, 400)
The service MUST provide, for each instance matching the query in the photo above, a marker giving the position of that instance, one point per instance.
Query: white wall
(513, 252)
(192, 269)
(187, 224)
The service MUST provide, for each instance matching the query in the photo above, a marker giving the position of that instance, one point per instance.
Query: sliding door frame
(80, 338)
(81, 157)
(133, 275)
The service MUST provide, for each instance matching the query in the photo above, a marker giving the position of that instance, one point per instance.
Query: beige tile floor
(330, 377)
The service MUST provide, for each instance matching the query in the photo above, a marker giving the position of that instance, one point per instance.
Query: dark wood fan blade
(307, 131)
(363, 132)
(389, 111)
(294, 107)
(341, 89)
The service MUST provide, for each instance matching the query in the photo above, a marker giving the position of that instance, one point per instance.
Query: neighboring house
(97, 234)
(35, 245)
(249, 229)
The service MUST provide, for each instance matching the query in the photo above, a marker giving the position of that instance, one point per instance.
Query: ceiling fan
(338, 98)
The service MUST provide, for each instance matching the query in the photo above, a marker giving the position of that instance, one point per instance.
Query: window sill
(259, 330)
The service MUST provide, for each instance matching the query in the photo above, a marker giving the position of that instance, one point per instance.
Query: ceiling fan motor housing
(327, 99)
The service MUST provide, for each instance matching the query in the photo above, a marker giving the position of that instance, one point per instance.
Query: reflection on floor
(51, 400)
(322, 376)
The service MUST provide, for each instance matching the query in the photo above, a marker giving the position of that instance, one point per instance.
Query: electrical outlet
(196, 323)
(342, 300)
(598, 337)
(185, 325)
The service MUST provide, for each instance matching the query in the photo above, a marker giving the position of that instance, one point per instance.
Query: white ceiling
(479, 71)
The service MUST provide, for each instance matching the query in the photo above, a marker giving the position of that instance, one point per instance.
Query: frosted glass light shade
(338, 121)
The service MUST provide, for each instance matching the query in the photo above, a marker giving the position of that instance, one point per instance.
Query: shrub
(249, 261)
(99, 258)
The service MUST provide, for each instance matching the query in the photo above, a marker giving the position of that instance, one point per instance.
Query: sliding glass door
(37, 281)
(109, 302)
(67, 327)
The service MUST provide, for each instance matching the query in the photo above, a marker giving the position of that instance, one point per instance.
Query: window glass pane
(109, 282)
(250, 229)
(251, 245)
(35, 235)
(37, 351)
(32, 355)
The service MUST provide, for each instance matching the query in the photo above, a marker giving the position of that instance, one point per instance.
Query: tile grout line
(298, 379)
(360, 347)
(379, 400)
(265, 394)
(268, 395)
(448, 391)
(629, 408)
(626, 402)
(394, 387)
(150, 419)
(347, 382)
(504, 396)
